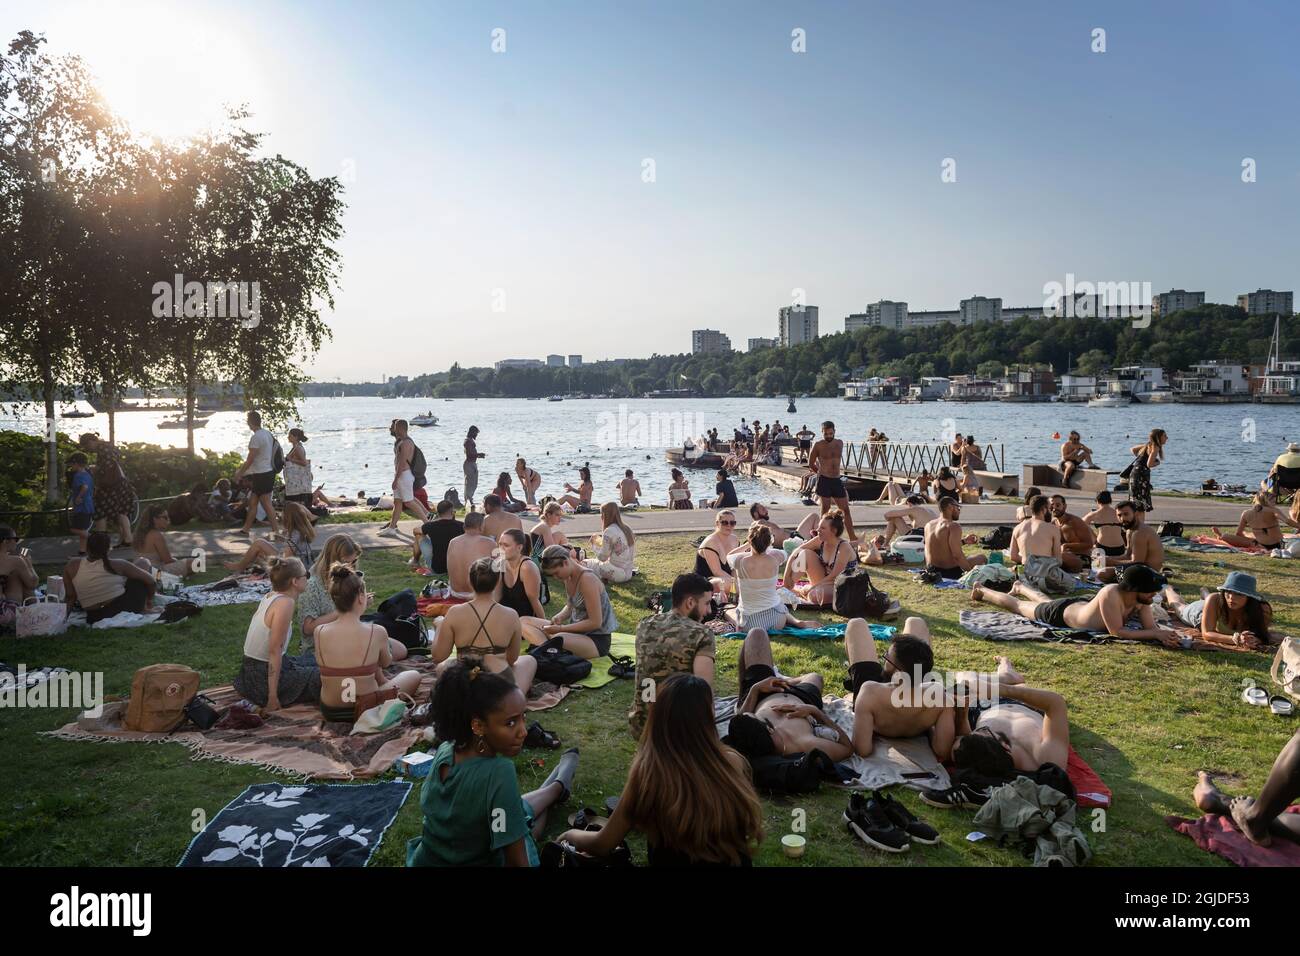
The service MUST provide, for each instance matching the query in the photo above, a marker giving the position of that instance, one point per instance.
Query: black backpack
(400, 617)
(418, 466)
(1170, 529)
(277, 456)
(555, 665)
(856, 596)
(997, 539)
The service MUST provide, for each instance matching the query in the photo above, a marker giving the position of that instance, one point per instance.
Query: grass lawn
(1144, 717)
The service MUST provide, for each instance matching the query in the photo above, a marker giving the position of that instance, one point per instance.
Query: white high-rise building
(921, 320)
(709, 340)
(884, 314)
(980, 309)
(761, 343)
(520, 363)
(1175, 300)
(1265, 302)
(575, 361)
(555, 361)
(796, 325)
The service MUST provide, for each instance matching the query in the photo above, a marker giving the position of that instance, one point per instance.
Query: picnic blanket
(296, 740)
(248, 589)
(313, 825)
(834, 631)
(942, 584)
(1217, 834)
(620, 645)
(1206, 542)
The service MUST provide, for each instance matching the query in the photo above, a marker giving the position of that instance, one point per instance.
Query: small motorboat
(1111, 400)
(180, 422)
(77, 414)
(556, 398)
(425, 420)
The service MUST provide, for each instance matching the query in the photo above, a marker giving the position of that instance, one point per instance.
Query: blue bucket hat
(1239, 582)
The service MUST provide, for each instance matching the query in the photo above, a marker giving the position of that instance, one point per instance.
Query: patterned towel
(316, 825)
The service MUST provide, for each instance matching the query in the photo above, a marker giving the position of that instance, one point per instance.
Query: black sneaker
(866, 819)
(960, 795)
(918, 830)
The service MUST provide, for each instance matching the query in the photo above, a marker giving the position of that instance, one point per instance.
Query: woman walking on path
(1148, 455)
(115, 499)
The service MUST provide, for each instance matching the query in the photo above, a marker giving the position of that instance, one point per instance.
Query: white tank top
(257, 643)
(96, 584)
(755, 594)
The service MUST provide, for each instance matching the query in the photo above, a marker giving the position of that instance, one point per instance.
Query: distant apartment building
(520, 363)
(761, 343)
(920, 320)
(575, 361)
(883, 314)
(796, 325)
(980, 309)
(709, 340)
(1265, 302)
(1175, 300)
(1022, 312)
(555, 361)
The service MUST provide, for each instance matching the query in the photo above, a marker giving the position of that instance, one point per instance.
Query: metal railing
(908, 459)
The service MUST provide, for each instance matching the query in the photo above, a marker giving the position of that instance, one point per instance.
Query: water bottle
(1098, 560)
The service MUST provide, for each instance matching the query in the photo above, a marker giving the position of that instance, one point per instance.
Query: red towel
(1216, 833)
(435, 607)
(1089, 789)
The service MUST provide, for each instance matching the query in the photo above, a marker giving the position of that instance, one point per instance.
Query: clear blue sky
(522, 171)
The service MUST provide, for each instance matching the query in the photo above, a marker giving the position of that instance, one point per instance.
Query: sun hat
(1293, 448)
(1239, 582)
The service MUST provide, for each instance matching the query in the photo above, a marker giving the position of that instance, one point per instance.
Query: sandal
(587, 819)
(622, 666)
(1255, 696)
(1282, 706)
(540, 737)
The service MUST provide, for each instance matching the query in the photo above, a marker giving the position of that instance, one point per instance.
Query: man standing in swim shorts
(824, 462)
(472, 455)
(403, 478)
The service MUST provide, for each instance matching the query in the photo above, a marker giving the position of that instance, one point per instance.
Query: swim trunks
(830, 488)
(1052, 613)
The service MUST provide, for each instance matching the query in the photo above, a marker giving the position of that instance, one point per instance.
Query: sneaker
(908, 822)
(390, 532)
(961, 795)
(866, 819)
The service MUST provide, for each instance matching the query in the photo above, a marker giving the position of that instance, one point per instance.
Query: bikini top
(482, 629)
(360, 670)
(853, 562)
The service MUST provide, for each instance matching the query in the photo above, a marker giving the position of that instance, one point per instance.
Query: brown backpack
(159, 694)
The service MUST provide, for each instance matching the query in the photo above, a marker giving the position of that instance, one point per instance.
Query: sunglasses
(730, 524)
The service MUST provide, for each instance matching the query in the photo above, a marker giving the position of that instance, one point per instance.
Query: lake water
(350, 448)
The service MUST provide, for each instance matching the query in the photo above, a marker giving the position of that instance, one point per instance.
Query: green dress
(471, 816)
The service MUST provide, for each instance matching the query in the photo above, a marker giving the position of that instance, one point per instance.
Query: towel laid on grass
(1205, 542)
(316, 825)
(1090, 790)
(943, 584)
(1217, 834)
(620, 645)
(835, 631)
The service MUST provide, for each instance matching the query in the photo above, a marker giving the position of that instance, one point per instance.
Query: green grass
(1144, 717)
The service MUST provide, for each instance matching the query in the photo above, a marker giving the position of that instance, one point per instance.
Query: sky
(612, 175)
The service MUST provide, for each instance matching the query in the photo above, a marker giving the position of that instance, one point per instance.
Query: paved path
(220, 542)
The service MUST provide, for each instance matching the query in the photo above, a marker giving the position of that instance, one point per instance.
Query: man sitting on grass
(1108, 610)
(674, 642)
(780, 716)
(463, 551)
(1141, 544)
(1036, 544)
(943, 543)
(897, 698)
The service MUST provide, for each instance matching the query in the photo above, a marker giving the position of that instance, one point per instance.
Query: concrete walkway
(222, 543)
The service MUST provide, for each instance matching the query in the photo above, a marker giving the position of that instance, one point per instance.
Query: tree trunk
(189, 410)
(51, 442)
(111, 398)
